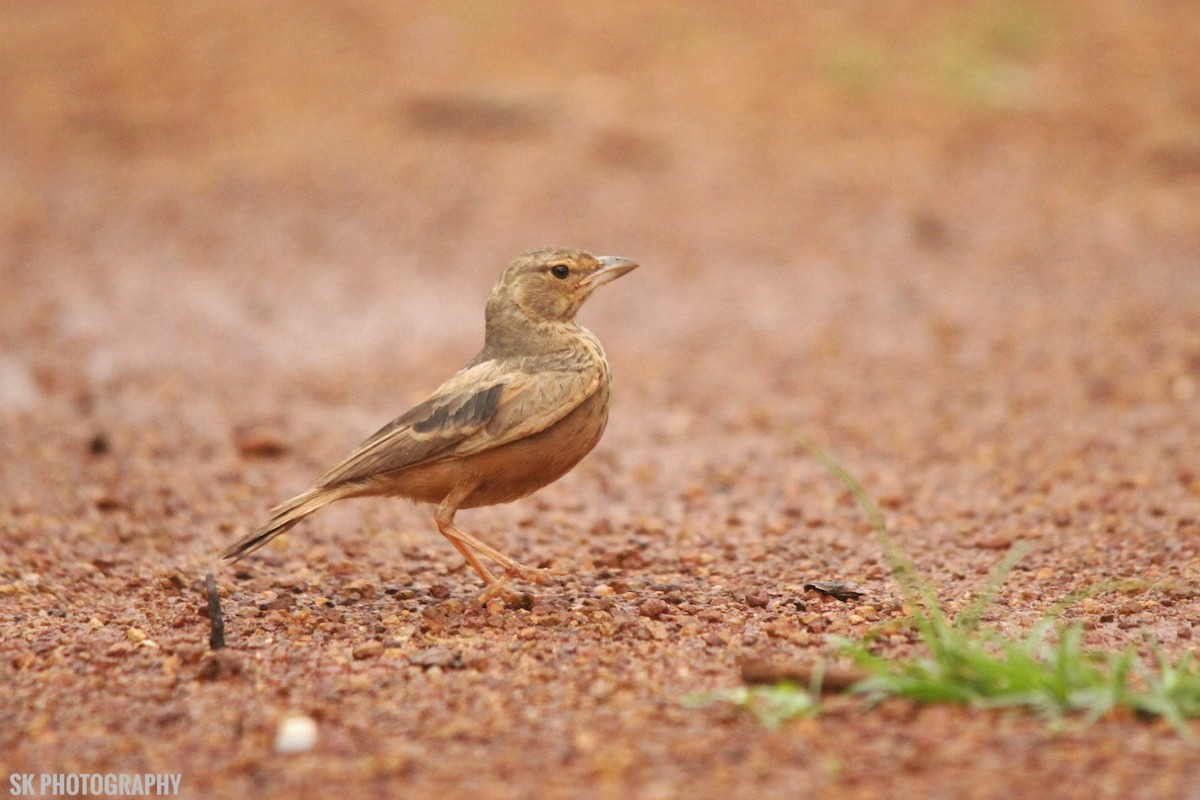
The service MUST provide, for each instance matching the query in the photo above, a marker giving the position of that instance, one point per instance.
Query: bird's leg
(465, 542)
(492, 586)
(483, 572)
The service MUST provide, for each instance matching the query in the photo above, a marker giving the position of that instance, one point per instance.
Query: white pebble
(297, 734)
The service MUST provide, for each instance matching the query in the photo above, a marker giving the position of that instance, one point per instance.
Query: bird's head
(550, 285)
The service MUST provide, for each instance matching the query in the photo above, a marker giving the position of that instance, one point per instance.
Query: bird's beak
(611, 268)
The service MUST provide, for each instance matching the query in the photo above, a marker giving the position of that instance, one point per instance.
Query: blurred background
(230, 201)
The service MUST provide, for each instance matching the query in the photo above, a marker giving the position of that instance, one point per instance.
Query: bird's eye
(560, 271)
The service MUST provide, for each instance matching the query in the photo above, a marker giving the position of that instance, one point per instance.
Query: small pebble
(297, 734)
(757, 600)
(653, 608)
(496, 606)
(369, 649)
(99, 445)
(437, 657)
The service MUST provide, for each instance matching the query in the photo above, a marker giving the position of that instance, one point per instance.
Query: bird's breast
(526, 465)
(514, 470)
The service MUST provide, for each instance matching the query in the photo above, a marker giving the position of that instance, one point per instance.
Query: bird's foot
(532, 574)
(499, 588)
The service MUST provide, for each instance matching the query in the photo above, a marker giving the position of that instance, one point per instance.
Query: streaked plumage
(518, 416)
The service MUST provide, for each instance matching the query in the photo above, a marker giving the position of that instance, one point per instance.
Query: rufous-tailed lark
(517, 417)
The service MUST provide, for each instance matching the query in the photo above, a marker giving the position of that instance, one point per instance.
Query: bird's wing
(531, 402)
(483, 406)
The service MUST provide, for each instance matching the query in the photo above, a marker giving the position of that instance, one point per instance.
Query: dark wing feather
(426, 432)
(529, 403)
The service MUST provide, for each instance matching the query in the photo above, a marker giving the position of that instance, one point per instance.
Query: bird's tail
(284, 516)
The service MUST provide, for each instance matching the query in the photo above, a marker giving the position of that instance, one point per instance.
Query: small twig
(835, 589)
(216, 639)
(829, 679)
